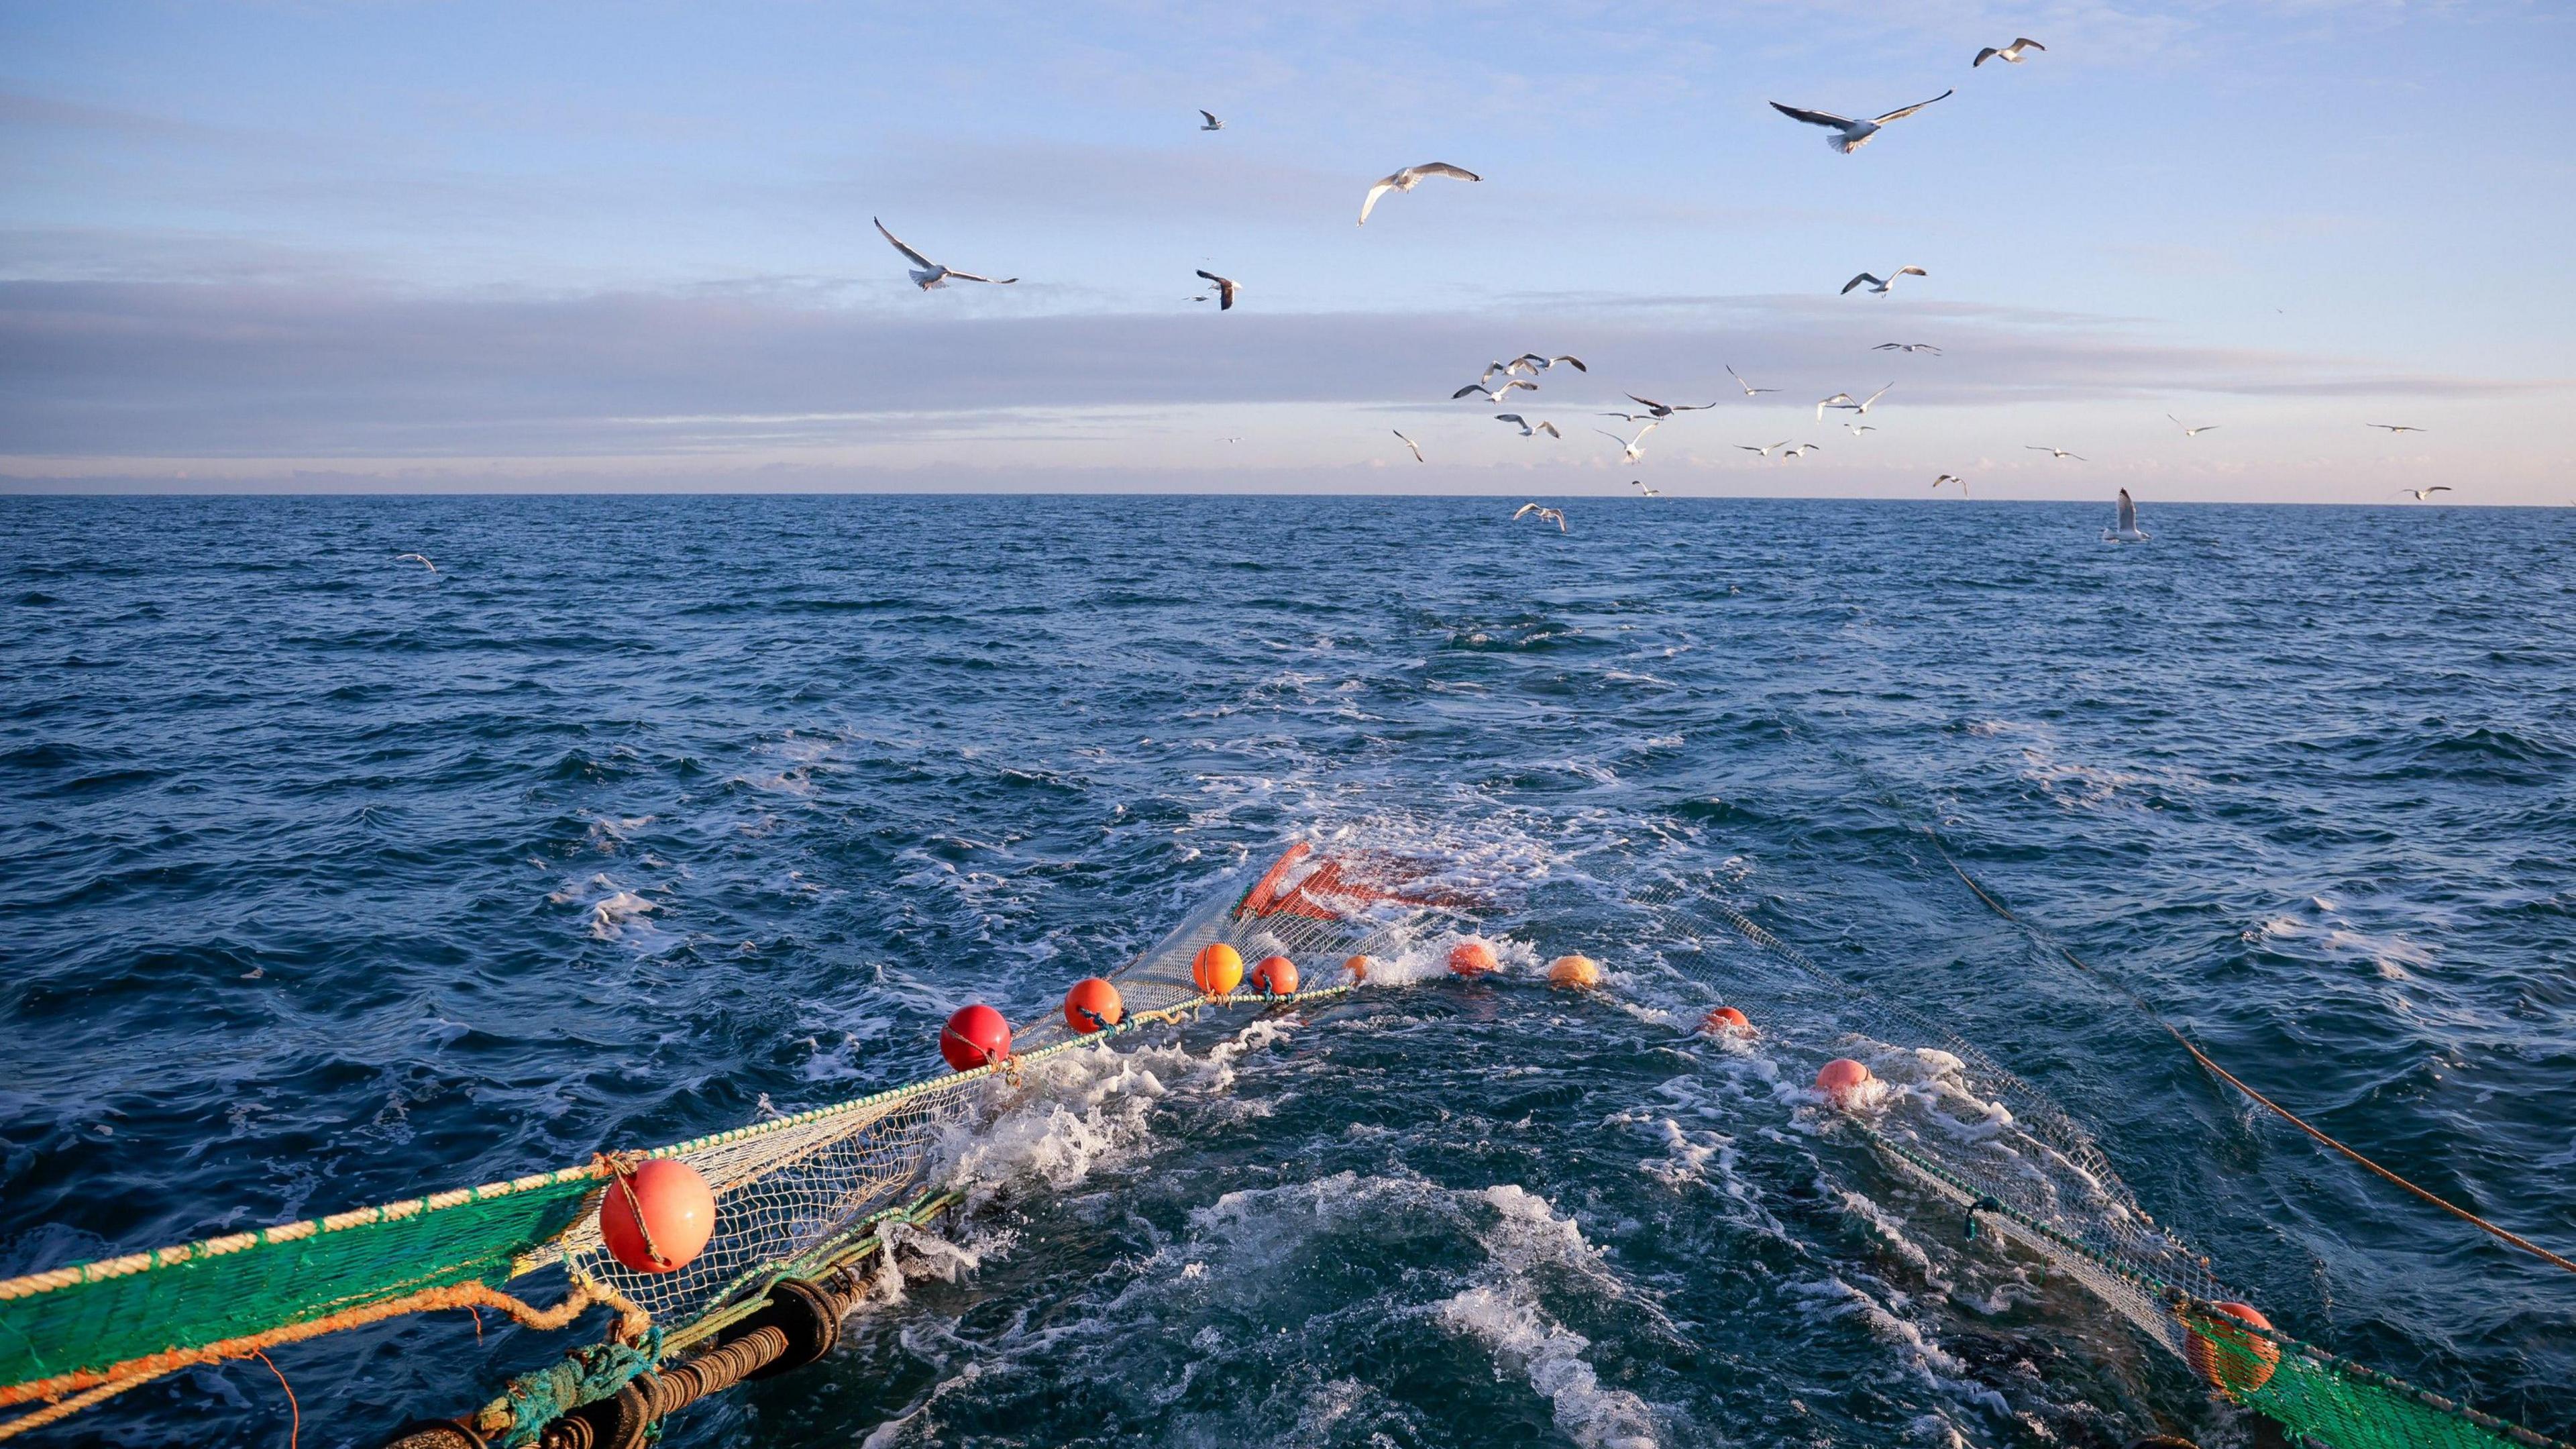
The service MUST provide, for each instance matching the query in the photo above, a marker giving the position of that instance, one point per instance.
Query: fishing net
(792, 1194)
(1955, 1122)
(802, 1195)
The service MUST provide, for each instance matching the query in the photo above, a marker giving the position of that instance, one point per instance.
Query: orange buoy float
(2237, 1363)
(1473, 957)
(1217, 968)
(1724, 1020)
(656, 1218)
(1574, 973)
(1841, 1078)
(1093, 1005)
(975, 1037)
(1276, 976)
(1358, 966)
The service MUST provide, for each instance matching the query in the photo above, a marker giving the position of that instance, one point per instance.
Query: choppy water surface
(325, 879)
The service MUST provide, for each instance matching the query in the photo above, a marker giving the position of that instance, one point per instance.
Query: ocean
(328, 879)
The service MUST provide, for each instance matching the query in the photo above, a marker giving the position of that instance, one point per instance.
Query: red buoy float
(1358, 966)
(1093, 1005)
(1217, 969)
(1724, 1020)
(975, 1037)
(1473, 957)
(656, 1218)
(2237, 1363)
(1276, 976)
(1841, 1079)
(1574, 973)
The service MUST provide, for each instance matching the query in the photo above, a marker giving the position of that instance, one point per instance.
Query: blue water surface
(327, 879)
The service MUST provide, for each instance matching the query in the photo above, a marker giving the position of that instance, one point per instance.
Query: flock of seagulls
(1520, 374)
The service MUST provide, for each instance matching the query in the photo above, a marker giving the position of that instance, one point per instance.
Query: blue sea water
(326, 879)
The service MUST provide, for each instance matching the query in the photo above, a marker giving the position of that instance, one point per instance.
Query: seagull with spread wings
(2189, 431)
(1494, 395)
(2124, 527)
(1545, 515)
(1213, 124)
(1226, 287)
(2060, 453)
(2009, 53)
(1952, 478)
(1409, 178)
(1527, 427)
(1630, 449)
(1904, 346)
(1765, 452)
(2394, 429)
(1749, 389)
(927, 274)
(1665, 410)
(1850, 135)
(415, 558)
(1879, 286)
(2421, 495)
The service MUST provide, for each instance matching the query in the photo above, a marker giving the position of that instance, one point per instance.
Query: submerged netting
(1955, 1122)
(793, 1195)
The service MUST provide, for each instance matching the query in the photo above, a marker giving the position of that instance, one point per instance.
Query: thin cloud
(105, 369)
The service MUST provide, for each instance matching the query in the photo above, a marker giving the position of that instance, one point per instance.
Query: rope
(2231, 1079)
(584, 1376)
(631, 1323)
(295, 1423)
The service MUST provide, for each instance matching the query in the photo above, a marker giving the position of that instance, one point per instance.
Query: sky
(466, 246)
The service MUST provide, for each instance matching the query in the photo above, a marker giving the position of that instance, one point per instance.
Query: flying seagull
(1838, 400)
(1213, 124)
(1850, 135)
(1952, 478)
(415, 558)
(1409, 178)
(1749, 389)
(1803, 449)
(1545, 515)
(1665, 410)
(1857, 409)
(1494, 395)
(2010, 52)
(1904, 346)
(1640, 485)
(2125, 529)
(1856, 429)
(1630, 449)
(2421, 494)
(2061, 453)
(1542, 364)
(2394, 428)
(1626, 417)
(2189, 431)
(1226, 287)
(927, 274)
(1765, 452)
(1527, 428)
(1879, 287)
(1408, 442)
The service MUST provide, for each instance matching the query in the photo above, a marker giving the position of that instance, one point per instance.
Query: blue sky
(465, 245)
